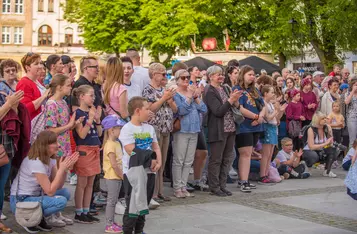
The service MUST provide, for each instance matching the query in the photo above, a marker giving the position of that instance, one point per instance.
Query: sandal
(4, 229)
(162, 197)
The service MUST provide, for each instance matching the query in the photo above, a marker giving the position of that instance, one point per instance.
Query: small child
(112, 167)
(336, 121)
(290, 161)
(308, 100)
(347, 160)
(294, 116)
(136, 134)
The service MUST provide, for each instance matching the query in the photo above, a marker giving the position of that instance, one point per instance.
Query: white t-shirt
(142, 136)
(140, 77)
(133, 90)
(349, 155)
(283, 156)
(28, 182)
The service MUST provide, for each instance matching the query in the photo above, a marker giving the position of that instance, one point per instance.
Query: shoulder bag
(4, 158)
(28, 214)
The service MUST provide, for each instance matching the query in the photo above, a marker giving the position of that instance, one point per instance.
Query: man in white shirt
(141, 74)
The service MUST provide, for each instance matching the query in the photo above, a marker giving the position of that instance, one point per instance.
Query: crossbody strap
(18, 185)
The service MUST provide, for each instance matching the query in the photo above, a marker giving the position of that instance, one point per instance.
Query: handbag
(176, 125)
(4, 158)
(28, 214)
(237, 115)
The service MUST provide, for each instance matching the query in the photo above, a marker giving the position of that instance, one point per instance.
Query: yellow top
(336, 118)
(112, 147)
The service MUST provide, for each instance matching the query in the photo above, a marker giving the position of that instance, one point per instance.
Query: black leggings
(311, 157)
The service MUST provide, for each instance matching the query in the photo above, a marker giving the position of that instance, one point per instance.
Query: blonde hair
(101, 76)
(114, 74)
(81, 90)
(285, 140)
(155, 67)
(316, 118)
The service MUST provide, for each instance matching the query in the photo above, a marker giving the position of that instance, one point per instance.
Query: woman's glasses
(8, 71)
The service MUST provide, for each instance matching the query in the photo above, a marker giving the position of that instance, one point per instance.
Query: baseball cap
(317, 73)
(112, 121)
(343, 87)
(66, 59)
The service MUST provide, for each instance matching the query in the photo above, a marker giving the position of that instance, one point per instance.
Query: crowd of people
(137, 127)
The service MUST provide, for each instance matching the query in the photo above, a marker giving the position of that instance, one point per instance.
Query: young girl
(112, 166)
(308, 100)
(58, 121)
(294, 117)
(336, 121)
(270, 137)
(347, 160)
(86, 136)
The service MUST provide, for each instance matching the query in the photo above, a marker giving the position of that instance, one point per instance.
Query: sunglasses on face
(185, 77)
(29, 54)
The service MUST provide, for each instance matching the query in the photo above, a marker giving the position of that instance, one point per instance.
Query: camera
(339, 146)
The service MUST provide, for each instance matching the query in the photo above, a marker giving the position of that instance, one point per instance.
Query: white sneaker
(73, 180)
(233, 173)
(191, 171)
(120, 207)
(66, 220)
(3, 217)
(331, 174)
(153, 205)
(54, 221)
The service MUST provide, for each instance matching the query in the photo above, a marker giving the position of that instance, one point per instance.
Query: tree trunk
(327, 56)
(282, 60)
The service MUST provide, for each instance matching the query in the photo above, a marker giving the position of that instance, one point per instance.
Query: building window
(18, 35)
(6, 6)
(19, 6)
(5, 37)
(68, 39)
(50, 5)
(40, 5)
(45, 36)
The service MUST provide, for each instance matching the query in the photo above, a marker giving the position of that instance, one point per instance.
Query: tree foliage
(165, 26)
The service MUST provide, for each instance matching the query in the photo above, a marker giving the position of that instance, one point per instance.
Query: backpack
(294, 128)
(38, 124)
(303, 133)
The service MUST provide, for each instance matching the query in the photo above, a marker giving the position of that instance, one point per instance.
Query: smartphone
(82, 153)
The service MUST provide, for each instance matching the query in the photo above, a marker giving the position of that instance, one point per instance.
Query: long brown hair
(39, 149)
(114, 76)
(244, 70)
(57, 80)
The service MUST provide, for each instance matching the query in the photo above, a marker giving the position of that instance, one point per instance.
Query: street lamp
(293, 22)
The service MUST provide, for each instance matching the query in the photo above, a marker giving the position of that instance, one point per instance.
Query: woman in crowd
(351, 111)
(231, 76)
(131, 88)
(163, 106)
(252, 107)
(9, 72)
(195, 75)
(32, 95)
(38, 176)
(221, 130)
(330, 96)
(290, 85)
(6, 105)
(308, 100)
(319, 137)
(115, 94)
(54, 65)
(41, 78)
(189, 107)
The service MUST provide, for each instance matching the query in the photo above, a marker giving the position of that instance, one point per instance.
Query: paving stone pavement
(316, 205)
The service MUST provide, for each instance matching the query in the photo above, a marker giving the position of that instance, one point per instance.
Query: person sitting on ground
(290, 161)
(347, 160)
(39, 179)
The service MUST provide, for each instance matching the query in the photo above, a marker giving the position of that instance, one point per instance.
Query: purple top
(306, 99)
(294, 111)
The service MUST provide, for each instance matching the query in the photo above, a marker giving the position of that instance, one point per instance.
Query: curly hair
(7, 63)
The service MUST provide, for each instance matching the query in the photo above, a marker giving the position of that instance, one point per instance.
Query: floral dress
(57, 115)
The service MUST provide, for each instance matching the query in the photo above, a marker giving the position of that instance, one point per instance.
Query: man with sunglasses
(141, 74)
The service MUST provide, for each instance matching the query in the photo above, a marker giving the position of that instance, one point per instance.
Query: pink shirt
(115, 93)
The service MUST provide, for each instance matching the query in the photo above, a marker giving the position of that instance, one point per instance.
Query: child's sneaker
(265, 181)
(113, 229)
(286, 175)
(73, 180)
(120, 207)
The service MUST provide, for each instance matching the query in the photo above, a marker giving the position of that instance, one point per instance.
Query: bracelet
(98, 124)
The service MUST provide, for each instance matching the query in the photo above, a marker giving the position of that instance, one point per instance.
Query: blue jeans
(50, 205)
(4, 174)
